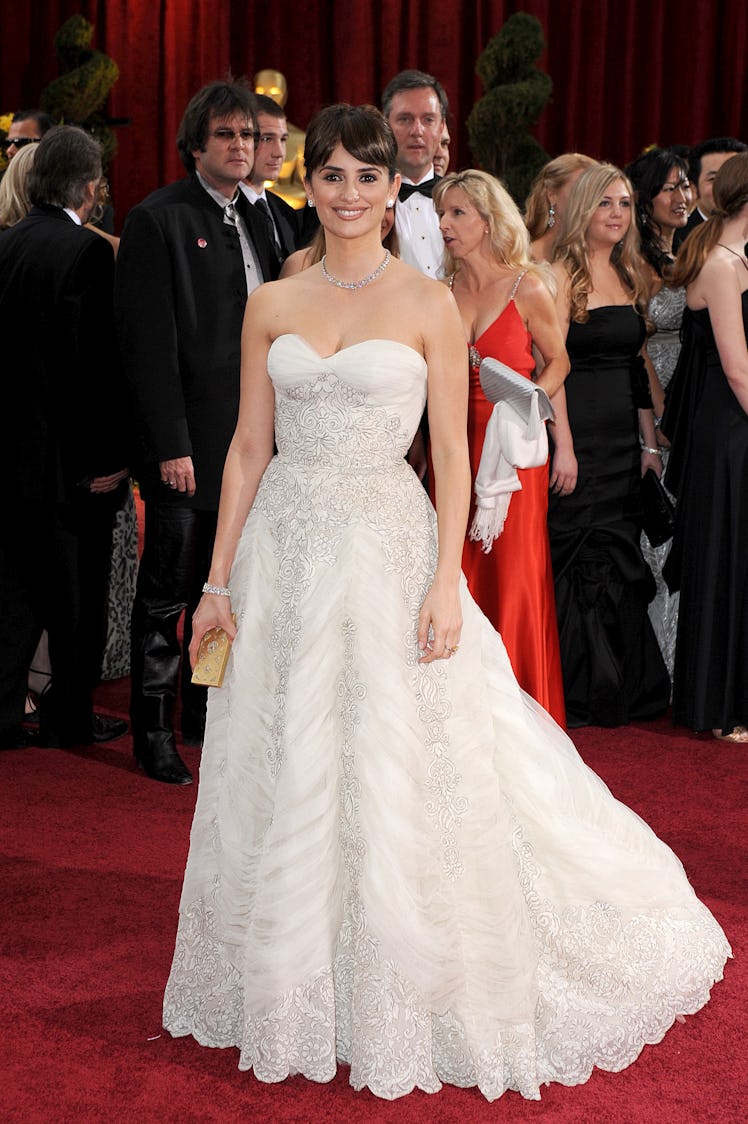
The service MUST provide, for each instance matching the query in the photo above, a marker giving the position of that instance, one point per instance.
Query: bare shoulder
(536, 283)
(717, 280)
(435, 294)
(275, 294)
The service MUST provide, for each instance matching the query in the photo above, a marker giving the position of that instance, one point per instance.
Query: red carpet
(92, 858)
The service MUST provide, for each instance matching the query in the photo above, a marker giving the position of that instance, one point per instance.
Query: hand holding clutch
(212, 657)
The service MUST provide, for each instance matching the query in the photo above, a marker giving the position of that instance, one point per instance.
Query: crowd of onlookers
(122, 360)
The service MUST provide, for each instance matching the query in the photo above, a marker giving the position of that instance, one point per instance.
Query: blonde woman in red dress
(508, 313)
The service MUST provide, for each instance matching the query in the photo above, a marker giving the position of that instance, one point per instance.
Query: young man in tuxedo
(64, 447)
(189, 255)
(271, 138)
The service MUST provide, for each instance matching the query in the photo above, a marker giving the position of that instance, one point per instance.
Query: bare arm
(655, 386)
(564, 468)
(651, 454)
(440, 620)
(249, 454)
(649, 441)
(535, 304)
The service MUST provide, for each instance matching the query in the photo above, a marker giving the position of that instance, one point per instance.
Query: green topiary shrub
(516, 93)
(86, 79)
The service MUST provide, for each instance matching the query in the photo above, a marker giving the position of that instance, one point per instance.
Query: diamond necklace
(356, 284)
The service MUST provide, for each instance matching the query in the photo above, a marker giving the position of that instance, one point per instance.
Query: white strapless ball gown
(406, 868)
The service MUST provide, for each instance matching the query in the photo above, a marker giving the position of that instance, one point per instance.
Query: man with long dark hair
(189, 255)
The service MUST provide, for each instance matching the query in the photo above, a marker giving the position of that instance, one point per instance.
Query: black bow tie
(425, 187)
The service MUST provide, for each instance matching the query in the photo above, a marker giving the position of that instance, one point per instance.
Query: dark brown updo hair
(360, 129)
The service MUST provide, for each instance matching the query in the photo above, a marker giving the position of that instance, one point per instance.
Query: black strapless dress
(613, 669)
(710, 684)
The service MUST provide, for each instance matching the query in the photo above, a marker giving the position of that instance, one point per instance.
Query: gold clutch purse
(212, 657)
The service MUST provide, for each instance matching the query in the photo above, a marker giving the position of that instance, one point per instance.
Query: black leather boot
(156, 754)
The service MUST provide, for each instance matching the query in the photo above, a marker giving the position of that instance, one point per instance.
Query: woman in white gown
(398, 861)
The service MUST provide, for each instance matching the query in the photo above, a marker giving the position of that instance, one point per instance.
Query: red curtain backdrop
(624, 75)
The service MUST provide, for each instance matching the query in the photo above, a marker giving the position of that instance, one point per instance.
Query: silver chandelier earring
(551, 216)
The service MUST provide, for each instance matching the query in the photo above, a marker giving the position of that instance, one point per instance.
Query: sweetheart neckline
(350, 347)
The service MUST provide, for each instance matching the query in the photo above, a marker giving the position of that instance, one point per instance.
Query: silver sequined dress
(666, 313)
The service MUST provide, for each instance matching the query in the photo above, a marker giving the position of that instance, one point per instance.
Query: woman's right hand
(213, 611)
(564, 471)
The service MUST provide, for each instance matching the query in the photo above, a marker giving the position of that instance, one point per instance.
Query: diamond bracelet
(220, 590)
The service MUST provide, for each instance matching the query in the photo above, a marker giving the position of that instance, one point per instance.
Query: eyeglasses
(228, 136)
(19, 142)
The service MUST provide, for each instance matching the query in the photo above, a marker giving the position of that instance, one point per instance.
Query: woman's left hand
(653, 461)
(439, 623)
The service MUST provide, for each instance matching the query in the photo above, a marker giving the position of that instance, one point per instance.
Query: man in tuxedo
(190, 253)
(704, 161)
(441, 156)
(63, 449)
(271, 138)
(416, 107)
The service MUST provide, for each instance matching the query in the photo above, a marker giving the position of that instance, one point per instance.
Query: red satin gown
(513, 584)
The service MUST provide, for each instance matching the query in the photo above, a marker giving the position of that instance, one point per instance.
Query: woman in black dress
(710, 462)
(613, 669)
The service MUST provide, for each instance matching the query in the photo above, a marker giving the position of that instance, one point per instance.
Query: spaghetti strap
(516, 284)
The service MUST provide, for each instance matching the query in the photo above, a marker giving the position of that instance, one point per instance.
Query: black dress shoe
(105, 729)
(102, 729)
(159, 760)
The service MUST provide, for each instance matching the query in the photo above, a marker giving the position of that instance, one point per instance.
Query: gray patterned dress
(666, 312)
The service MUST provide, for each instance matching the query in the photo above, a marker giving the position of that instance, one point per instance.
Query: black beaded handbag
(658, 510)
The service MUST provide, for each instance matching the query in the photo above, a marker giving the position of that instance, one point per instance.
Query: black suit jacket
(63, 397)
(180, 296)
(286, 223)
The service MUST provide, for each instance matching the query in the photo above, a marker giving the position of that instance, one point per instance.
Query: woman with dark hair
(663, 198)
(507, 309)
(613, 669)
(398, 861)
(710, 455)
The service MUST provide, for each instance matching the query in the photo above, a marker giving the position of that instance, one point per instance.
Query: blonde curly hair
(572, 250)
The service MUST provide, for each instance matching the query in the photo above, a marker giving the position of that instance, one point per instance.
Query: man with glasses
(189, 255)
(27, 127)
